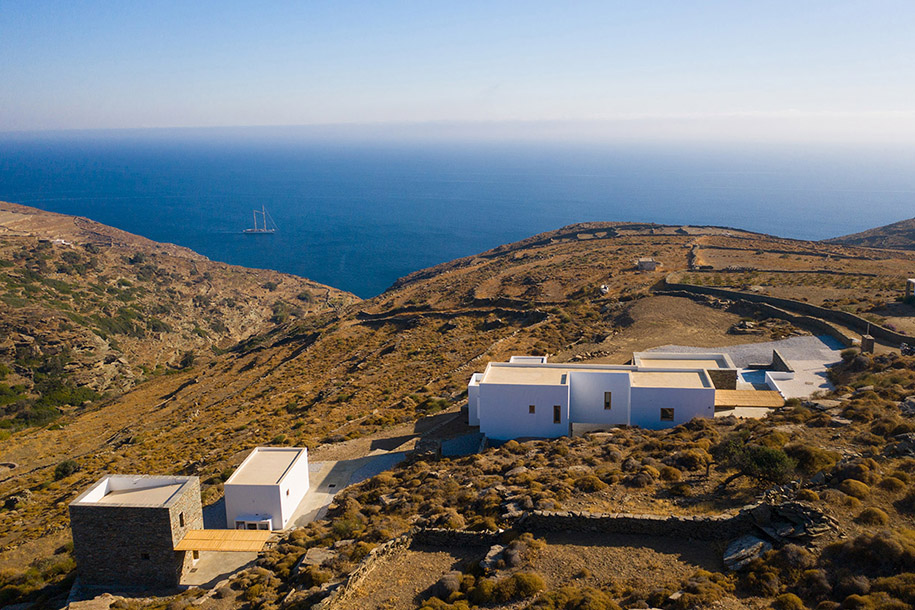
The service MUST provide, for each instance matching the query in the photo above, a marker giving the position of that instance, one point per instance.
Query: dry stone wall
(713, 527)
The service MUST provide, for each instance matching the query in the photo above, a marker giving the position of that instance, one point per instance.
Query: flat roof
(266, 465)
(527, 375)
(695, 363)
(143, 496)
(668, 379)
(135, 490)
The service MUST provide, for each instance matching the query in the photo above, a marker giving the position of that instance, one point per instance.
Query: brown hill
(86, 309)
(372, 369)
(897, 236)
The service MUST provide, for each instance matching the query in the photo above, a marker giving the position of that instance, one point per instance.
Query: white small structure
(267, 487)
(646, 264)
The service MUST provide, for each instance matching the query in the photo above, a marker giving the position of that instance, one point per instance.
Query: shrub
(882, 553)
(854, 488)
(892, 484)
(810, 459)
(572, 598)
(590, 483)
(788, 601)
(873, 516)
(807, 495)
(65, 469)
(669, 473)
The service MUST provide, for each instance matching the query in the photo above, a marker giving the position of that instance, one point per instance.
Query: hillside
(898, 236)
(362, 376)
(88, 311)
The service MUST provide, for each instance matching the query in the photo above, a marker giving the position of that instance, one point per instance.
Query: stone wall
(779, 363)
(122, 545)
(723, 379)
(434, 536)
(713, 527)
(841, 317)
(376, 556)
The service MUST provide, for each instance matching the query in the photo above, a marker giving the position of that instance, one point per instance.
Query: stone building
(125, 529)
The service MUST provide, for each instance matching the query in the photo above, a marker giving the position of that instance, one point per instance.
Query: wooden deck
(729, 399)
(241, 541)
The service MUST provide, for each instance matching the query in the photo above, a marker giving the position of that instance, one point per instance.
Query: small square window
(196, 555)
(531, 408)
(667, 414)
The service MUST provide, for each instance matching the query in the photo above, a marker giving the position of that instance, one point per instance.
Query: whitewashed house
(529, 397)
(266, 489)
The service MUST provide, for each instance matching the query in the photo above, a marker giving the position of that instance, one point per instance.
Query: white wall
(293, 487)
(247, 501)
(473, 399)
(646, 404)
(586, 397)
(504, 410)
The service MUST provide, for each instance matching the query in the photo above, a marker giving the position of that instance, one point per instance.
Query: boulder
(744, 550)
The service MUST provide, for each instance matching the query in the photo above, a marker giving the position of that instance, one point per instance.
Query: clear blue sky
(818, 68)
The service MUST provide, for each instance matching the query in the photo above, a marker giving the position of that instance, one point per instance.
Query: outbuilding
(266, 489)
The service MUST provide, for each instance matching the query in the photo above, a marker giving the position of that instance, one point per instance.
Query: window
(287, 492)
(181, 519)
(144, 556)
(531, 408)
(239, 525)
(557, 414)
(251, 526)
(667, 414)
(196, 555)
(562, 379)
(607, 400)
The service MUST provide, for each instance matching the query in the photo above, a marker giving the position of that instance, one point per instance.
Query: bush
(65, 469)
(669, 473)
(810, 459)
(590, 484)
(788, 601)
(882, 553)
(892, 484)
(854, 488)
(873, 516)
(807, 495)
(572, 598)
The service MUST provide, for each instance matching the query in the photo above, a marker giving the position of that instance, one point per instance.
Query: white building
(267, 487)
(528, 397)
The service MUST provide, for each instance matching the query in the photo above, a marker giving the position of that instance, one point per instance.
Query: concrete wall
(504, 411)
(473, 399)
(134, 546)
(586, 397)
(646, 404)
(249, 501)
(293, 488)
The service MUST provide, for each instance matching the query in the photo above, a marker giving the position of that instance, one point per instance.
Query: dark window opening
(607, 400)
(287, 492)
(667, 414)
(181, 519)
(144, 556)
(531, 408)
(196, 555)
(557, 414)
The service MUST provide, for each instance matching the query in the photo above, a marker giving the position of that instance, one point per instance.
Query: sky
(815, 69)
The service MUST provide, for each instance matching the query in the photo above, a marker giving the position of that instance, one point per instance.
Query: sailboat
(262, 228)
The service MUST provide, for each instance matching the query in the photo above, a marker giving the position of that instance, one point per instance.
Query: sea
(359, 213)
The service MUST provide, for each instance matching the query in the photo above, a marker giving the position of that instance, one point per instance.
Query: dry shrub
(892, 484)
(854, 488)
(669, 473)
(703, 589)
(590, 484)
(882, 553)
(788, 601)
(873, 516)
(573, 598)
(807, 495)
(811, 459)
(836, 497)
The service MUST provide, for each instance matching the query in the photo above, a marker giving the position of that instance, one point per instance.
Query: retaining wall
(841, 317)
(713, 527)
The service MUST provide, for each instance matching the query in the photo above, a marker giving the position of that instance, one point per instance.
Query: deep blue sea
(358, 215)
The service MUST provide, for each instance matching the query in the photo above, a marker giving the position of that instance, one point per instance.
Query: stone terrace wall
(433, 536)
(841, 317)
(713, 527)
